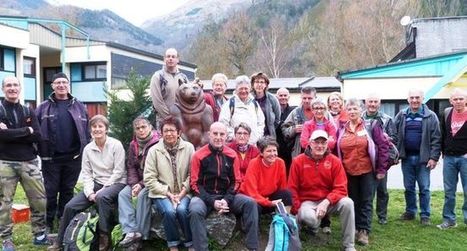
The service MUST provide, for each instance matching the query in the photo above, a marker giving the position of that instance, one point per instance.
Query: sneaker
(362, 237)
(446, 225)
(130, 238)
(425, 221)
(44, 241)
(8, 245)
(326, 230)
(382, 221)
(407, 216)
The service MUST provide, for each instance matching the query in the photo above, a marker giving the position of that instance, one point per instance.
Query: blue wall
(89, 91)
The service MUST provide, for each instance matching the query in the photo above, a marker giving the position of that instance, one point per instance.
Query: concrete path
(395, 180)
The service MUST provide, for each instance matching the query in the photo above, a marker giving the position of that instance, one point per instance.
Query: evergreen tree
(123, 110)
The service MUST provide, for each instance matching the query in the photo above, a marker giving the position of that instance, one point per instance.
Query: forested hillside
(309, 37)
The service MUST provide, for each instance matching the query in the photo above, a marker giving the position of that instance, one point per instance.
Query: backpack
(232, 105)
(393, 152)
(283, 232)
(81, 233)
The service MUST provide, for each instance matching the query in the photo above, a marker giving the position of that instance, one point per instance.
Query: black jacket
(17, 143)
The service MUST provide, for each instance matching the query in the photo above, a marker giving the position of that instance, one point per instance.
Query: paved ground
(395, 178)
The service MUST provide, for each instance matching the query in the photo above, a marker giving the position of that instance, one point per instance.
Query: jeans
(382, 197)
(361, 189)
(452, 167)
(170, 217)
(414, 171)
(242, 205)
(134, 219)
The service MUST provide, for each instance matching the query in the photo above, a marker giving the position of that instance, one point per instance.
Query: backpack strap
(232, 106)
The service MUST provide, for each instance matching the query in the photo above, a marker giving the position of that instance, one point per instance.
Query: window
(95, 72)
(29, 67)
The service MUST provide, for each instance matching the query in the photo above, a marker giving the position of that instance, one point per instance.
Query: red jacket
(215, 174)
(250, 154)
(310, 126)
(262, 181)
(311, 180)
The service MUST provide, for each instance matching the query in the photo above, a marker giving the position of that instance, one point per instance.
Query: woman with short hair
(167, 177)
(265, 179)
(245, 152)
(103, 176)
(364, 156)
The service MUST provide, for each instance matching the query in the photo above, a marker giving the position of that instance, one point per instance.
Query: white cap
(319, 134)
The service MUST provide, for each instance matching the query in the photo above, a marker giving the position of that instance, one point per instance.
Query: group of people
(320, 158)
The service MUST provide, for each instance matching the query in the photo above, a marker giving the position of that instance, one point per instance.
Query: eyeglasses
(320, 143)
(242, 133)
(260, 82)
(319, 108)
(61, 83)
(169, 131)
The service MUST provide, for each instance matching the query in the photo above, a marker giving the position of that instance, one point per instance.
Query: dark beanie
(59, 75)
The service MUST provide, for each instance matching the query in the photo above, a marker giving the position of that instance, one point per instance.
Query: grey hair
(243, 79)
(318, 101)
(354, 101)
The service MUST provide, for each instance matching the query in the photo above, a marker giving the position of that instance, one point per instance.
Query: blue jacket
(47, 113)
(430, 147)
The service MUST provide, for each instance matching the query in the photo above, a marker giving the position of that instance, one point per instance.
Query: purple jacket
(378, 148)
(135, 164)
(47, 115)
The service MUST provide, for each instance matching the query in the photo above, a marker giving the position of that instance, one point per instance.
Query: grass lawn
(396, 235)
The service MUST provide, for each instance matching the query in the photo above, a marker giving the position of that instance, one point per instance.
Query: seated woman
(245, 152)
(265, 180)
(167, 177)
(103, 175)
(318, 122)
(136, 222)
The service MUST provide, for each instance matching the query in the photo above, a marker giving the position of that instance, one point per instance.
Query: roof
(418, 67)
(292, 84)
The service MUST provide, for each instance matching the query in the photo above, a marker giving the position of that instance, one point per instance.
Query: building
(434, 60)
(35, 49)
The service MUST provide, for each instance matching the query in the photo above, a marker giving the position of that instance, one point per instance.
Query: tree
(239, 34)
(122, 111)
(273, 49)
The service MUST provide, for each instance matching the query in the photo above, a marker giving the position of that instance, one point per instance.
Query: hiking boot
(130, 238)
(8, 245)
(425, 221)
(362, 237)
(382, 221)
(42, 240)
(446, 225)
(55, 247)
(326, 230)
(104, 242)
(407, 216)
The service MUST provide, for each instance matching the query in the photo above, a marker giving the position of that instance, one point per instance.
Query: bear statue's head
(190, 93)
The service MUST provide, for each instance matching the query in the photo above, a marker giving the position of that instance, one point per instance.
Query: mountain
(179, 27)
(103, 25)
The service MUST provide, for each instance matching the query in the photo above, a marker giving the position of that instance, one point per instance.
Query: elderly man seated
(319, 186)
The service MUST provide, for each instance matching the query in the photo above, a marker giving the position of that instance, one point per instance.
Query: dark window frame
(95, 78)
(2, 59)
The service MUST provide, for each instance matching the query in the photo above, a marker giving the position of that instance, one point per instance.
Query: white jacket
(246, 112)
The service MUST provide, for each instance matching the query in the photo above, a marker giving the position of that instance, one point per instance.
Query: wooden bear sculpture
(193, 113)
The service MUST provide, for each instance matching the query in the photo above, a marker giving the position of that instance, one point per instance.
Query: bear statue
(193, 112)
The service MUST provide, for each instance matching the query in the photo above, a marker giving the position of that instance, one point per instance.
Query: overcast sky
(134, 11)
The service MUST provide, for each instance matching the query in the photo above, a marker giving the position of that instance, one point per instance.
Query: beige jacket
(158, 177)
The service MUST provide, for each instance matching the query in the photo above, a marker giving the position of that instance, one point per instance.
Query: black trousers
(106, 203)
(60, 178)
